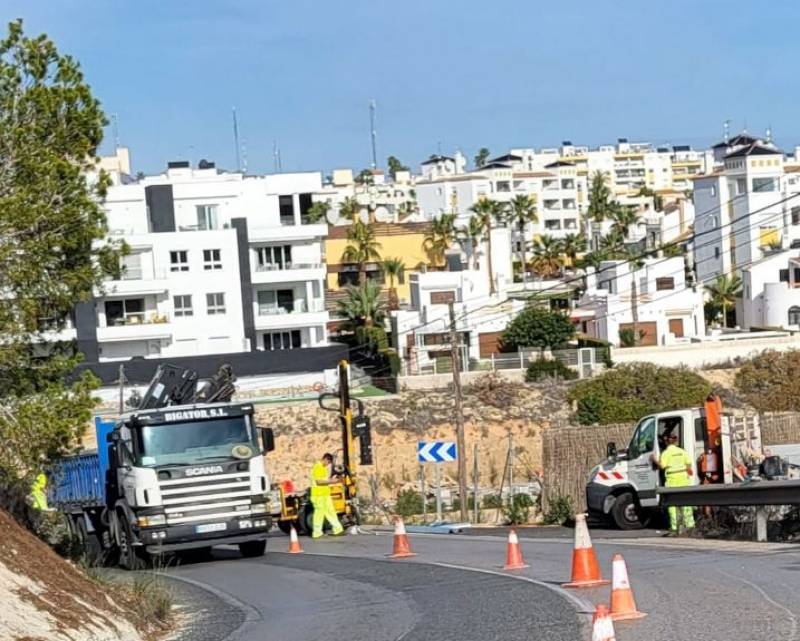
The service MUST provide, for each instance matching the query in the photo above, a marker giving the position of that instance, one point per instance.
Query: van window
(643, 439)
(670, 425)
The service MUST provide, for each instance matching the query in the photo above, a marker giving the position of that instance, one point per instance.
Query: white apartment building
(421, 334)
(382, 200)
(745, 209)
(771, 292)
(219, 263)
(668, 311)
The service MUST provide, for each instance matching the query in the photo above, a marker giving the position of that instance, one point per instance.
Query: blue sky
(457, 74)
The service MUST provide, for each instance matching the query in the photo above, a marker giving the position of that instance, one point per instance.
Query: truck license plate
(210, 527)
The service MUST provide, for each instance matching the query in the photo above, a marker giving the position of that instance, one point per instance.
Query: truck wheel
(92, 548)
(251, 549)
(131, 557)
(626, 513)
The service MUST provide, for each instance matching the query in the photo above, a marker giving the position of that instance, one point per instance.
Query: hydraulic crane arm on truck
(627, 486)
(177, 472)
(295, 509)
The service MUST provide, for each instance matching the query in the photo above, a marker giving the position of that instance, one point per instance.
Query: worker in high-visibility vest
(677, 466)
(321, 501)
(38, 496)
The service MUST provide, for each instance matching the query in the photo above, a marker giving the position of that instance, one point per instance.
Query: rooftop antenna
(236, 140)
(726, 126)
(115, 125)
(769, 134)
(373, 133)
(244, 156)
(276, 157)
(744, 131)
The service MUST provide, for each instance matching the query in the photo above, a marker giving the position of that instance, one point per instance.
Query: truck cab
(623, 487)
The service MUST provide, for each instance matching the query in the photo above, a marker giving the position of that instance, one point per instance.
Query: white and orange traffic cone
(514, 560)
(623, 606)
(602, 625)
(294, 542)
(402, 548)
(585, 569)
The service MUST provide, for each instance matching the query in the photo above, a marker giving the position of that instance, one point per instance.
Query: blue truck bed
(80, 481)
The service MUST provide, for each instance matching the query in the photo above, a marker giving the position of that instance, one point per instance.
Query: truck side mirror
(611, 450)
(112, 437)
(268, 439)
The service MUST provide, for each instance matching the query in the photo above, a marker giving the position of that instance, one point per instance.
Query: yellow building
(397, 240)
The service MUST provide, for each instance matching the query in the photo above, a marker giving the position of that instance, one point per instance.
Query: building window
(276, 302)
(794, 315)
(305, 202)
(443, 298)
(795, 215)
(212, 259)
(503, 186)
(274, 257)
(797, 275)
(286, 206)
(765, 184)
(667, 282)
(215, 304)
(783, 275)
(207, 217)
(716, 252)
(741, 186)
(183, 305)
(179, 261)
(129, 311)
(131, 267)
(552, 224)
(282, 340)
(713, 190)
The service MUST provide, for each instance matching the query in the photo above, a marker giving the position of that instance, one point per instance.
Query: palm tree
(724, 292)
(471, 235)
(624, 218)
(394, 269)
(548, 255)
(319, 211)
(523, 211)
(487, 213)
(361, 249)
(439, 238)
(572, 245)
(601, 204)
(635, 262)
(481, 157)
(350, 209)
(363, 305)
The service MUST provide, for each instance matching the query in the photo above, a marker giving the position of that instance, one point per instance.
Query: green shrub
(549, 368)
(517, 509)
(559, 510)
(492, 501)
(409, 503)
(771, 381)
(627, 338)
(538, 327)
(628, 392)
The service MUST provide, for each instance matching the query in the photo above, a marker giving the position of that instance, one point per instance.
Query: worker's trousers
(324, 511)
(685, 513)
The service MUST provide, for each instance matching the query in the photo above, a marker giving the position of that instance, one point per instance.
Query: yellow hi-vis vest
(39, 492)
(319, 473)
(674, 461)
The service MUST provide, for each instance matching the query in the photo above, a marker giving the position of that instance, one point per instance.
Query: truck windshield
(194, 442)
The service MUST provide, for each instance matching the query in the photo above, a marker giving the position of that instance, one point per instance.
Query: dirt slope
(45, 598)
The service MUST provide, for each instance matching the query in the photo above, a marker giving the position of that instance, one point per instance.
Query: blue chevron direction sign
(436, 452)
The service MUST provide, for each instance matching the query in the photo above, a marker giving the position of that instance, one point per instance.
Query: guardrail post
(761, 523)
(521, 359)
(494, 369)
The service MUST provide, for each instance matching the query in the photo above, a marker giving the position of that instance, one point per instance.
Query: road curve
(318, 597)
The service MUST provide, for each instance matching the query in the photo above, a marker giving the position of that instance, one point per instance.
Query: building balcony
(265, 274)
(136, 327)
(135, 282)
(301, 315)
(287, 233)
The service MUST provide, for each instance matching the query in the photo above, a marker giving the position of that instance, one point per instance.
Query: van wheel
(627, 513)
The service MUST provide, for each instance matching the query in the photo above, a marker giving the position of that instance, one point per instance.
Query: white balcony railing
(298, 307)
(271, 267)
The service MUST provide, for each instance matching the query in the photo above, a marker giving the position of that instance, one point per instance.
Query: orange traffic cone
(402, 548)
(623, 607)
(294, 542)
(585, 569)
(514, 560)
(602, 625)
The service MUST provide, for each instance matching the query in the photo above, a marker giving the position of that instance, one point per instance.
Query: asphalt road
(454, 589)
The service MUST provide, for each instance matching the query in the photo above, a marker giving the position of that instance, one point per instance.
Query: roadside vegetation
(628, 392)
(770, 382)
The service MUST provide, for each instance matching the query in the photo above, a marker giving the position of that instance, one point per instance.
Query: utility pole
(455, 346)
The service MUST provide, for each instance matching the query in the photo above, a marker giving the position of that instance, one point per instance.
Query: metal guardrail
(737, 494)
